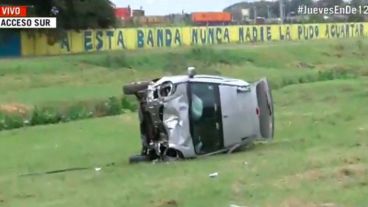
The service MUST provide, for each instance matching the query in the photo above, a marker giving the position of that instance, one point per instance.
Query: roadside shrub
(113, 60)
(108, 108)
(129, 103)
(286, 81)
(274, 84)
(310, 78)
(209, 56)
(340, 47)
(45, 115)
(113, 106)
(202, 53)
(325, 75)
(42, 115)
(344, 73)
(118, 60)
(76, 112)
(301, 80)
(360, 44)
(2, 121)
(176, 65)
(13, 121)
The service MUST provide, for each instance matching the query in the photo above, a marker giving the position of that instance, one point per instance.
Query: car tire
(265, 115)
(138, 159)
(135, 87)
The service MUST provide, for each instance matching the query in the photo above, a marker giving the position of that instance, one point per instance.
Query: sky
(162, 7)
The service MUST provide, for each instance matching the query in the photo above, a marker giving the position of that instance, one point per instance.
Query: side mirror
(191, 72)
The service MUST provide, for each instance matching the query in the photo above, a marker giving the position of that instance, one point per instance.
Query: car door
(205, 116)
(238, 114)
(266, 109)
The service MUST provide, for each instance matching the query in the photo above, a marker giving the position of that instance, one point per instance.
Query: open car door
(266, 112)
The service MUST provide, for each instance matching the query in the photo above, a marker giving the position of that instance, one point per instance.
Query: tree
(72, 14)
(357, 17)
(329, 3)
(294, 4)
(81, 14)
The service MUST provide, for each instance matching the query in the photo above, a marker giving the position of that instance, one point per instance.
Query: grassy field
(319, 157)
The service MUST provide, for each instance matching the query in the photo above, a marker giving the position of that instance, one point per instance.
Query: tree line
(72, 14)
(271, 9)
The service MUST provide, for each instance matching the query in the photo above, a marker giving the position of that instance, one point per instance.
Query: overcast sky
(161, 7)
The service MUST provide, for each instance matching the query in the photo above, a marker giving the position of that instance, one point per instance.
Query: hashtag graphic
(300, 9)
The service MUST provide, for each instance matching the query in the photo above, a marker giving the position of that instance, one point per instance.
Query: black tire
(138, 159)
(266, 116)
(272, 110)
(133, 88)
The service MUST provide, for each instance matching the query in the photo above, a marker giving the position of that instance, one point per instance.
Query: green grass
(102, 75)
(319, 154)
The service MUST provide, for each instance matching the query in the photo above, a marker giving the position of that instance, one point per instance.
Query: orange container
(200, 17)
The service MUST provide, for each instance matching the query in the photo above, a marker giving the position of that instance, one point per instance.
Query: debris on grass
(293, 202)
(234, 205)
(213, 175)
(169, 203)
(328, 205)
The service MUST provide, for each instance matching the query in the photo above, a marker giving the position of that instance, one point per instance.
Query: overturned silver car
(194, 115)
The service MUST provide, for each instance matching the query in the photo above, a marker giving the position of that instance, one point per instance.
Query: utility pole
(255, 14)
(281, 11)
(268, 12)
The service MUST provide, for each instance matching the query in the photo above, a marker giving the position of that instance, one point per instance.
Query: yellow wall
(134, 38)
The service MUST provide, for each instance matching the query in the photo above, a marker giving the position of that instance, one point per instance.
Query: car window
(197, 107)
(205, 117)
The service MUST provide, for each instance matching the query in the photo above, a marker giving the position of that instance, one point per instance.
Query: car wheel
(266, 117)
(134, 87)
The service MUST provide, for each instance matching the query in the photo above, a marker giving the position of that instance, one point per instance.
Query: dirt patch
(346, 88)
(326, 54)
(1, 199)
(352, 160)
(169, 203)
(293, 202)
(339, 55)
(15, 108)
(327, 205)
(351, 171)
(311, 175)
(293, 181)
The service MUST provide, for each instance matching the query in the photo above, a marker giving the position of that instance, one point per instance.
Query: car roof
(203, 79)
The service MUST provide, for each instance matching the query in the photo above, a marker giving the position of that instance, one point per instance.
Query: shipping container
(211, 17)
(151, 20)
(123, 13)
